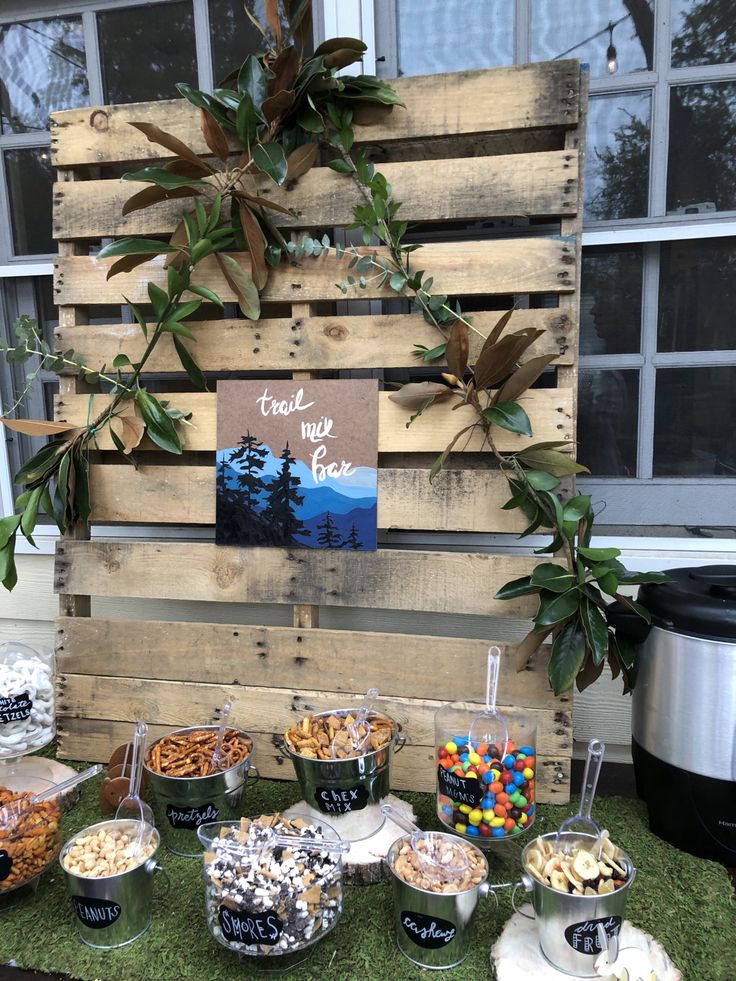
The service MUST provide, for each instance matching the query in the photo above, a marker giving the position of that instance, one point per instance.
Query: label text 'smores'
(245, 927)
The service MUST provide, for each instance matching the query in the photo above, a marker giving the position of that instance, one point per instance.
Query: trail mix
(106, 852)
(270, 900)
(577, 869)
(29, 837)
(189, 754)
(440, 864)
(316, 736)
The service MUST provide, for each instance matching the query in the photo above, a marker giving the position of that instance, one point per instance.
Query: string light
(611, 53)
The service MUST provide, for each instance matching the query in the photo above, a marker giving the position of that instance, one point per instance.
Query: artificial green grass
(684, 902)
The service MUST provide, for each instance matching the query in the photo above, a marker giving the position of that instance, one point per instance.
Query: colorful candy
(485, 791)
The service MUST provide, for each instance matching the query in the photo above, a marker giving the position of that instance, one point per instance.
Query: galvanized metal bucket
(347, 787)
(114, 910)
(568, 924)
(182, 804)
(433, 930)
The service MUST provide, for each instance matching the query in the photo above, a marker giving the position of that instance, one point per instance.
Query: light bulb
(611, 59)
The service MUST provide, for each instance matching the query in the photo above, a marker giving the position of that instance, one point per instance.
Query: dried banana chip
(589, 891)
(585, 866)
(571, 878)
(605, 870)
(558, 880)
(605, 886)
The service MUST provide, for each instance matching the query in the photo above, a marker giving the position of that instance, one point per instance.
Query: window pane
(29, 177)
(43, 68)
(617, 157)
(701, 169)
(232, 34)
(608, 407)
(579, 29)
(697, 295)
(145, 51)
(693, 422)
(610, 301)
(703, 32)
(437, 36)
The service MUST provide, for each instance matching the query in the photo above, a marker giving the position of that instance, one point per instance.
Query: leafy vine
(279, 110)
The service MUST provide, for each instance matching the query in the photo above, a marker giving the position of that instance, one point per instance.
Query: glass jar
(485, 792)
(256, 903)
(27, 719)
(30, 833)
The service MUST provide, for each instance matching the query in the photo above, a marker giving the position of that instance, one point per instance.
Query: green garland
(281, 107)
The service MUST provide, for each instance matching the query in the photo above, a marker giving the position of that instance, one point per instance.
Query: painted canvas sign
(296, 463)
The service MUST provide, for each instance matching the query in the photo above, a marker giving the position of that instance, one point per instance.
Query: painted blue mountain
(363, 518)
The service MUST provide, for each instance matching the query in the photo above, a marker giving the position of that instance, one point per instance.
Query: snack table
(683, 902)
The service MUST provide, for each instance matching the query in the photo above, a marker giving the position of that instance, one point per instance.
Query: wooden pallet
(470, 146)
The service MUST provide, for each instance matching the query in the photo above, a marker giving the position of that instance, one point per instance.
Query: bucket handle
(400, 738)
(153, 867)
(485, 890)
(280, 744)
(527, 885)
(253, 774)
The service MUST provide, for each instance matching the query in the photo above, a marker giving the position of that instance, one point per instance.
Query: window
(657, 345)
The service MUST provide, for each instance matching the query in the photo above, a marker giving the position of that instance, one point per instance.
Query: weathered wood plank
(485, 268)
(533, 185)
(549, 411)
(523, 97)
(456, 500)
(411, 769)
(267, 709)
(443, 582)
(309, 343)
(229, 654)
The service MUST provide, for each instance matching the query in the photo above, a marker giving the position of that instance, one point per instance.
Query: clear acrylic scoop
(440, 856)
(582, 821)
(217, 752)
(489, 726)
(132, 807)
(269, 839)
(361, 719)
(60, 788)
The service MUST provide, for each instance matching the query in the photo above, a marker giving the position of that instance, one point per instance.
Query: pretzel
(189, 754)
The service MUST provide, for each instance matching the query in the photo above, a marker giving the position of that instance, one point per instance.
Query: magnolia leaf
(524, 377)
(273, 20)
(36, 427)
(442, 458)
(337, 43)
(214, 135)
(588, 673)
(191, 367)
(541, 480)
(8, 527)
(556, 607)
(162, 177)
(130, 430)
(554, 462)
(257, 245)
(127, 263)
(509, 416)
(342, 58)
(253, 81)
(270, 159)
(155, 194)
(301, 160)
(553, 577)
(285, 69)
(498, 329)
(135, 246)
(599, 554)
(626, 577)
(340, 166)
(596, 630)
(369, 114)
(497, 360)
(159, 426)
(568, 653)
(42, 464)
(178, 238)
(413, 395)
(528, 646)
(177, 146)
(634, 606)
(517, 587)
(277, 105)
(241, 284)
(247, 120)
(457, 349)
(253, 199)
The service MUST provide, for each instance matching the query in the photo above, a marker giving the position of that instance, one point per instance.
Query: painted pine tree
(352, 540)
(329, 536)
(280, 502)
(248, 459)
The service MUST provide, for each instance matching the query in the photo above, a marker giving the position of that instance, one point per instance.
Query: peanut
(105, 853)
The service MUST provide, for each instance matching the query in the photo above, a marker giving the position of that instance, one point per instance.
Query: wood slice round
(518, 944)
(364, 864)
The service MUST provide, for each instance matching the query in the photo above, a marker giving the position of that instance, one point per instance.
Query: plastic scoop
(217, 752)
(489, 726)
(593, 764)
(357, 741)
(269, 839)
(131, 807)
(59, 788)
(440, 857)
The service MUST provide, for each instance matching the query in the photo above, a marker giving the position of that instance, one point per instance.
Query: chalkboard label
(15, 708)
(583, 936)
(6, 864)
(96, 913)
(330, 800)
(190, 818)
(242, 926)
(462, 790)
(427, 931)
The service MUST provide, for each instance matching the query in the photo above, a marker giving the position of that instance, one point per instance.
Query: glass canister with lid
(486, 767)
(27, 717)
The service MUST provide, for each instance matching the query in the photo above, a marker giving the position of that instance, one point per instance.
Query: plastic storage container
(27, 720)
(30, 835)
(485, 792)
(270, 900)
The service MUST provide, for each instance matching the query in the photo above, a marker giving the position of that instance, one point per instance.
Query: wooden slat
(534, 185)
(524, 97)
(268, 710)
(485, 268)
(548, 410)
(456, 500)
(411, 769)
(443, 582)
(309, 343)
(280, 657)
